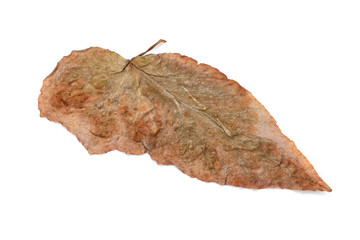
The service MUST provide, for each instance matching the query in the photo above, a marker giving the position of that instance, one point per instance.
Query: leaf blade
(180, 112)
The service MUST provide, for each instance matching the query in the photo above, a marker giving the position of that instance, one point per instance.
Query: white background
(299, 58)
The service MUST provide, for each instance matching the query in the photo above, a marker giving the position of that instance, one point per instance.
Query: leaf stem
(152, 47)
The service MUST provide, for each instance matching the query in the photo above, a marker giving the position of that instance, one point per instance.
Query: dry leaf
(178, 111)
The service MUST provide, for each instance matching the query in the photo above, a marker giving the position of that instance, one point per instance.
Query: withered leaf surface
(180, 112)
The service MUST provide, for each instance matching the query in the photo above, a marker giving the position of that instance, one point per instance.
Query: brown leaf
(178, 111)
